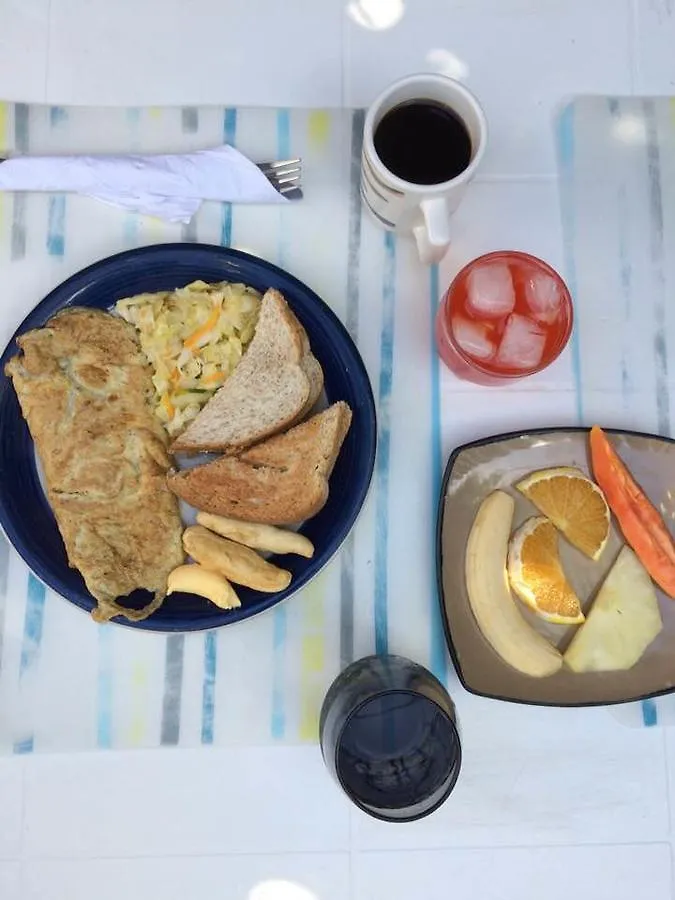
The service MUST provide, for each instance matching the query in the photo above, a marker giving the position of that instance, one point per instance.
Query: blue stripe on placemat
(56, 223)
(229, 135)
(130, 230)
(384, 444)
(438, 654)
(566, 150)
(27, 745)
(57, 116)
(104, 688)
(278, 723)
(210, 642)
(32, 626)
(134, 116)
(649, 713)
(209, 687)
(32, 639)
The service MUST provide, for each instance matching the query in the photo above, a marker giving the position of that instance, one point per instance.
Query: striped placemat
(66, 684)
(617, 168)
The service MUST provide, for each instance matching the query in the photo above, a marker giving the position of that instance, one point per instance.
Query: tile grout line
(440, 848)
(634, 44)
(343, 55)
(48, 50)
(669, 785)
(23, 854)
(352, 857)
(497, 848)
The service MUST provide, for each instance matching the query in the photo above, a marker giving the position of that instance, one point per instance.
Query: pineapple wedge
(622, 623)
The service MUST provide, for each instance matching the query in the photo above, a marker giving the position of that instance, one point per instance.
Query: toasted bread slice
(268, 391)
(314, 372)
(282, 481)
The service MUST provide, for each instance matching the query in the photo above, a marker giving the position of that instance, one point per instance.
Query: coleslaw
(193, 337)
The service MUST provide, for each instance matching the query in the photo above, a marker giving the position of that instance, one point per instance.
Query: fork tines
(285, 175)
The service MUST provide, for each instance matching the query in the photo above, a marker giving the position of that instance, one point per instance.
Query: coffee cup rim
(409, 187)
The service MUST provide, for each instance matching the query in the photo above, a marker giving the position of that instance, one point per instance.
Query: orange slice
(574, 504)
(536, 574)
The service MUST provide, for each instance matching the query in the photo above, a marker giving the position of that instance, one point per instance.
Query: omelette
(85, 390)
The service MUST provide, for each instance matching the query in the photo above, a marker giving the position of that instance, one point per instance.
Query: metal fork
(285, 175)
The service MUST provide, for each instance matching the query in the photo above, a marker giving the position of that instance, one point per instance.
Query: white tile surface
(521, 58)
(10, 880)
(23, 49)
(297, 876)
(11, 805)
(584, 873)
(210, 51)
(541, 776)
(669, 739)
(531, 777)
(655, 39)
(181, 803)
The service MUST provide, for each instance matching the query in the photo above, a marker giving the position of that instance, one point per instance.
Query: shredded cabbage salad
(193, 337)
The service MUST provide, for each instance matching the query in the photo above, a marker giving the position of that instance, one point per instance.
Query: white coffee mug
(421, 210)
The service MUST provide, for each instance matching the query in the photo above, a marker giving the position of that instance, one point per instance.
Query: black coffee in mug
(423, 142)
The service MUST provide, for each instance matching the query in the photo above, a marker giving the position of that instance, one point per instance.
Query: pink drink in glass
(506, 315)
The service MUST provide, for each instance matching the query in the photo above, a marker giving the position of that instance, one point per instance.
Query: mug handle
(433, 234)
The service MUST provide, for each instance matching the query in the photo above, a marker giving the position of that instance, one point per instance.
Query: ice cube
(472, 338)
(490, 292)
(544, 297)
(522, 344)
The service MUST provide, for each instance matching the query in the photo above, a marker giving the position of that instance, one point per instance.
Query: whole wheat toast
(277, 382)
(281, 481)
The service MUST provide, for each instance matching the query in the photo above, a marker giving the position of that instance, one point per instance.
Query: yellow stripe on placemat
(318, 127)
(155, 112)
(312, 658)
(137, 725)
(672, 109)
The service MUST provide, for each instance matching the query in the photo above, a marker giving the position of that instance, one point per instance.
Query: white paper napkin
(170, 186)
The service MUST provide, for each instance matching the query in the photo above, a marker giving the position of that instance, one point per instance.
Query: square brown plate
(475, 470)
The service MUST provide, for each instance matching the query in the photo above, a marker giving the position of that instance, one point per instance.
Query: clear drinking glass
(389, 738)
(506, 315)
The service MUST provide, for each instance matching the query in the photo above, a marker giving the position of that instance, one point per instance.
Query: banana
(193, 579)
(492, 603)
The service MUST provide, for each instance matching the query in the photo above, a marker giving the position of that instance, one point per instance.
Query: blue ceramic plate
(24, 512)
